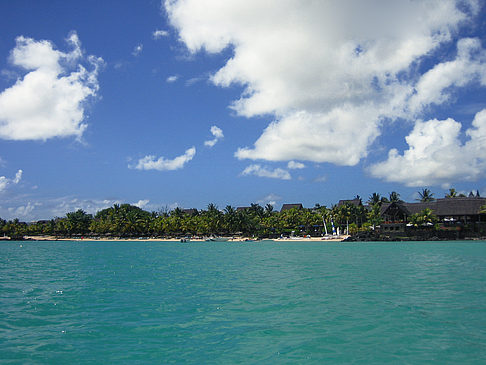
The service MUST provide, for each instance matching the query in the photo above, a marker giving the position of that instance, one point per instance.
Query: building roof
(356, 202)
(418, 207)
(458, 206)
(442, 207)
(291, 206)
(190, 211)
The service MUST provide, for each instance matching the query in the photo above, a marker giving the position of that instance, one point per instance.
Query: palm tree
(426, 196)
(374, 198)
(374, 215)
(452, 193)
(177, 212)
(231, 219)
(394, 197)
(78, 222)
(268, 210)
(213, 219)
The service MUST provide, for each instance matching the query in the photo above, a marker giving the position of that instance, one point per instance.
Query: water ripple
(118, 302)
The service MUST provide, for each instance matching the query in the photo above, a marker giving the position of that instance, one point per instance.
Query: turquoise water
(259, 303)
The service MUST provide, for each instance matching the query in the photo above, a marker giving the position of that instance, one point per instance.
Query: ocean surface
(251, 303)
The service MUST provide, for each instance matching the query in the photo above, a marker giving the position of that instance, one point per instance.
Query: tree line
(127, 220)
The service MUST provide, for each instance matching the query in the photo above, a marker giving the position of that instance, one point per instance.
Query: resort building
(450, 212)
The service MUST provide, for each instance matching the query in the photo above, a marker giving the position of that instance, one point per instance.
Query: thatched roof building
(463, 209)
(291, 206)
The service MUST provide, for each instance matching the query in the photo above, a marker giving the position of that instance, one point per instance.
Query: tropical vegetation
(126, 220)
(129, 221)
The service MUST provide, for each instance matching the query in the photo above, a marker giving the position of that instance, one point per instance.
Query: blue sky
(190, 102)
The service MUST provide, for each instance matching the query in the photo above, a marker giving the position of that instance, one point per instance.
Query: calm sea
(258, 303)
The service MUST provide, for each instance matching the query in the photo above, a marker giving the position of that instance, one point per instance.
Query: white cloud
(160, 34)
(18, 177)
(5, 182)
(137, 50)
(23, 210)
(31, 209)
(172, 78)
(163, 164)
(60, 206)
(261, 171)
(434, 86)
(141, 203)
(436, 155)
(271, 199)
(217, 134)
(49, 101)
(293, 165)
(330, 73)
(339, 136)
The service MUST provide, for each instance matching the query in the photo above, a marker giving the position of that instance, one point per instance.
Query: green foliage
(376, 198)
(424, 218)
(426, 196)
(482, 210)
(126, 220)
(452, 193)
(394, 197)
(14, 229)
(374, 215)
(78, 222)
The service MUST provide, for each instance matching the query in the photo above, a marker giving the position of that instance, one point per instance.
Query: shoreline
(236, 239)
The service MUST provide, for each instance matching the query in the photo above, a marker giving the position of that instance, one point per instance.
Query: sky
(182, 103)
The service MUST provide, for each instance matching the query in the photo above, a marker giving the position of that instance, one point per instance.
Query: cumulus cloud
(329, 73)
(293, 165)
(160, 34)
(49, 101)
(262, 171)
(137, 50)
(436, 155)
(172, 79)
(5, 182)
(217, 134)
(163, 164)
